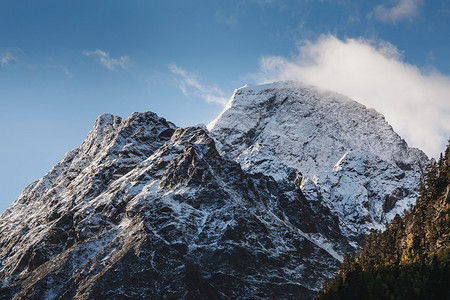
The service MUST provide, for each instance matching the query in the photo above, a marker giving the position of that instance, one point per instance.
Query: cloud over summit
(415, 102)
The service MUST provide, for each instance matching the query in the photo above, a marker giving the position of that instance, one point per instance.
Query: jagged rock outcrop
(349, 156)
(263, 206)
(143, 209)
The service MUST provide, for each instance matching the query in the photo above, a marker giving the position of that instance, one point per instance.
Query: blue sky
(63, 63)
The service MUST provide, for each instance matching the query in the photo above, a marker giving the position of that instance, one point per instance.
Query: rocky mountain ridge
(348, 155)
(145, 209)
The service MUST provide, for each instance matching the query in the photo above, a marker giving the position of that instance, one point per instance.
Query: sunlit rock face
(263, 206)
(349, 156)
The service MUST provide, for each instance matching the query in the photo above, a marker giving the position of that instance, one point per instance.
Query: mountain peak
(312, 130)
(278, 85)
(141, 194)
(288, 179)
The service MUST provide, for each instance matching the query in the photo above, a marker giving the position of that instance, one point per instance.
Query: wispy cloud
(6, 58)
(230, 19)
(104, 59)
(401, 10)
(66, 71)
(190, 85)
(262, 2)
(414, 101)
(60, 68)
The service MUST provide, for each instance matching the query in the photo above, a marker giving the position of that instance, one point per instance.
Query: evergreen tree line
(411, 258)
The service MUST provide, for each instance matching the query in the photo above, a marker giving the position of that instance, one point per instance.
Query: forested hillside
(411, 258)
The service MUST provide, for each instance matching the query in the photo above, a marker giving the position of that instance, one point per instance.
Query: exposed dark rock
(178, 221)
(146, 210)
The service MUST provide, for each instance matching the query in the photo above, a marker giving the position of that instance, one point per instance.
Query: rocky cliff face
(143, 209)
(349, 156)
(411, 258)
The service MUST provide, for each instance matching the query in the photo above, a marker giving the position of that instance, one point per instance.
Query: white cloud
(416, 103)
(7, 58)
(230, 20)
(189, 85)
(401, 10)
(59, 67)
(107, 61)
(62, 69)
(66, 71)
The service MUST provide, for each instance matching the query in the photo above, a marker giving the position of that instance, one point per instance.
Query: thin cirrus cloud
(415, 102)
(55, 66)
(402, 10)
(189, 85)
(62, 69)
(6, 58)
(104, 59)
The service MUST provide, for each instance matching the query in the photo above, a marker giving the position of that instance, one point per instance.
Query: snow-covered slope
(349, 156)
(145, 210)
(293, 178)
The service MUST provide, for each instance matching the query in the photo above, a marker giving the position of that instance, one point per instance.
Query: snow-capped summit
(143, 209)
(263, 206)
(358, 165)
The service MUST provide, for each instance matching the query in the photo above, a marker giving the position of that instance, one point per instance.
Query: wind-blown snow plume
(414, 101)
